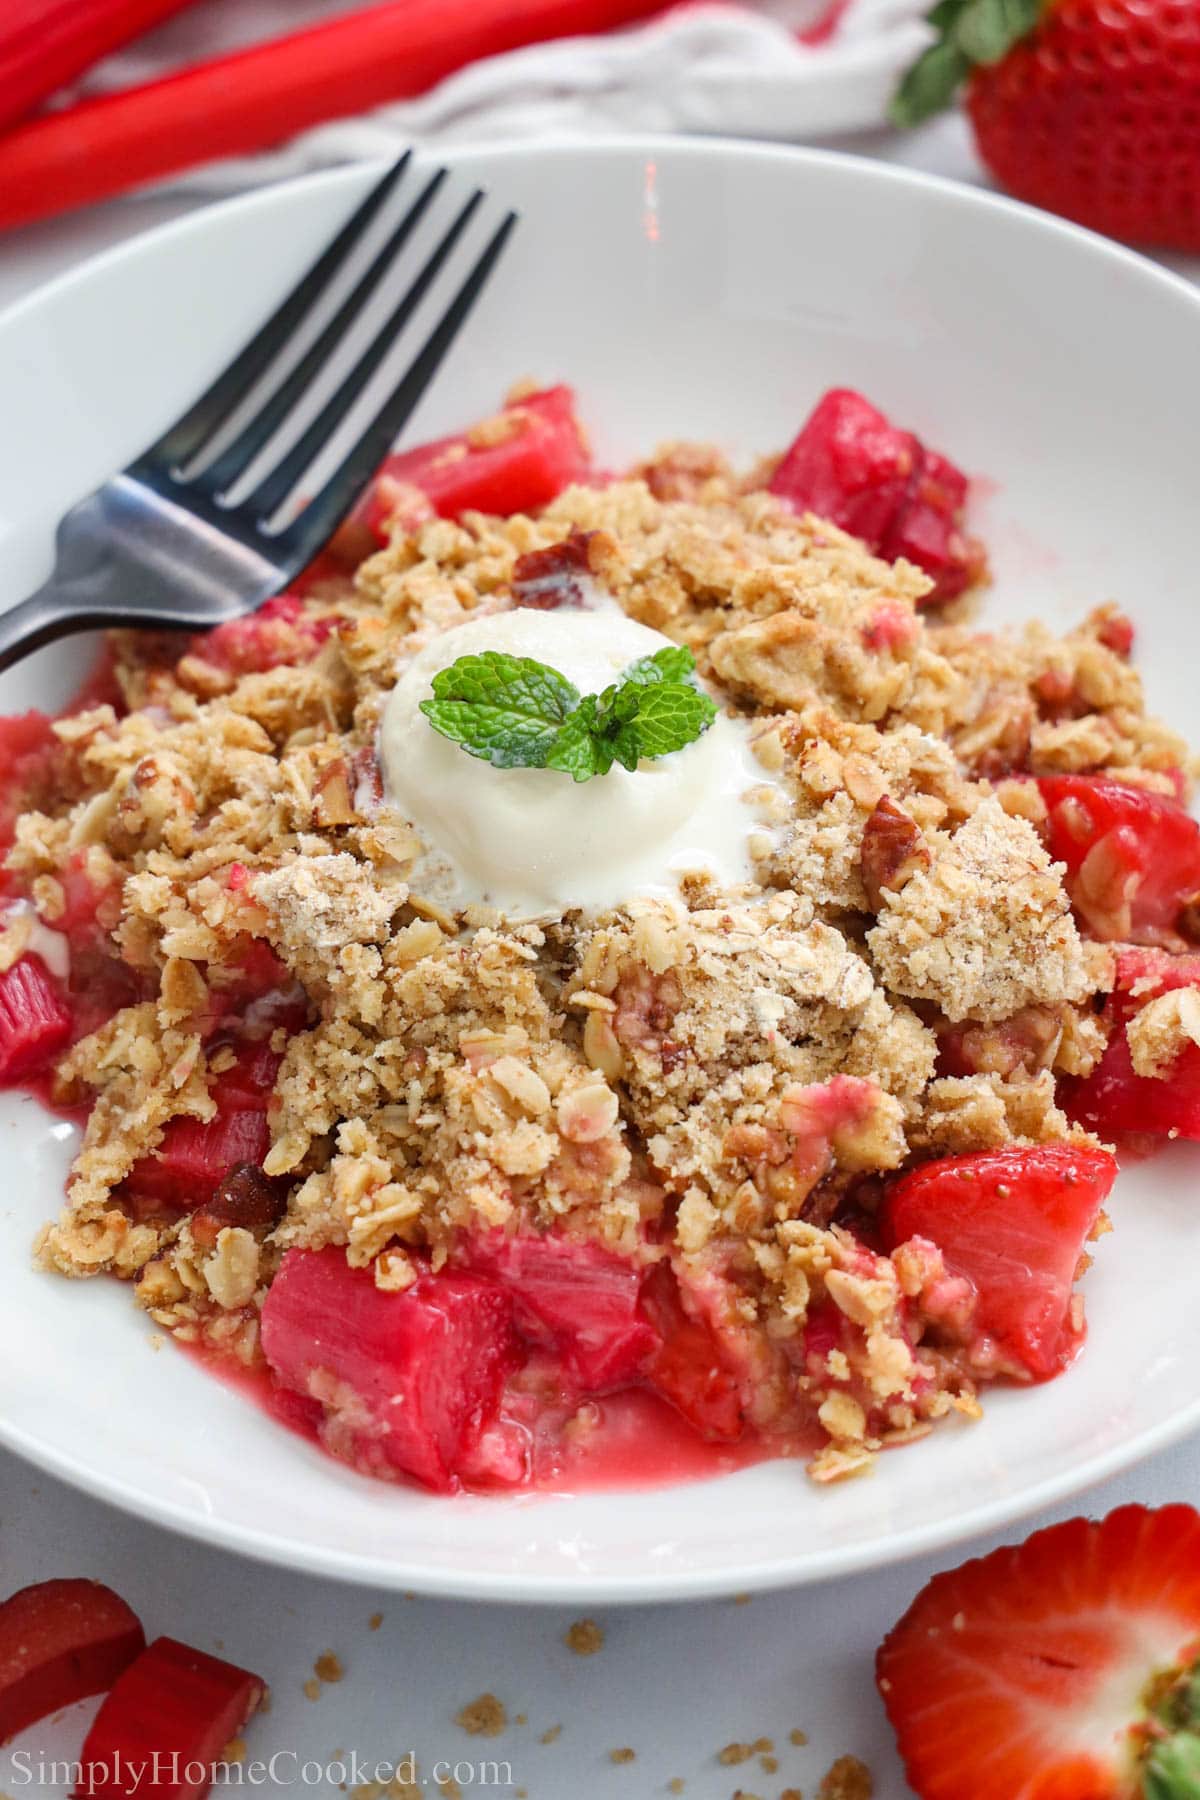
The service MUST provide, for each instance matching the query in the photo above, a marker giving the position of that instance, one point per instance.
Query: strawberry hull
(409, 1381)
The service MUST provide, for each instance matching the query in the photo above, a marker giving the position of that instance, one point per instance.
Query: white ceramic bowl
(687, 289)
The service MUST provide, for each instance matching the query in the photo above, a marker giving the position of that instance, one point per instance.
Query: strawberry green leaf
(986, 30)
(929, 85)
(1173, 1770)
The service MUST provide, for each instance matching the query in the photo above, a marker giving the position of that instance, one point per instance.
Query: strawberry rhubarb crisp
(609, 935)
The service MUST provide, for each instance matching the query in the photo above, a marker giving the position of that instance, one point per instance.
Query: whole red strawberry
(1088, 107)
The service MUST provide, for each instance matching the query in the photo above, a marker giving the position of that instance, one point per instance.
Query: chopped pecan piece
(333, 802)
(549, 578)
(246, 1197)
(893, 850)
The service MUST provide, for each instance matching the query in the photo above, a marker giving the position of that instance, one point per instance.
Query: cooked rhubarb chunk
(1114, 1098)
(167, 1720)
(279, 633)
(409, 1381)
(1014, 1222)
(59, 1642)
(1133, 857)
(575, 1298)
(516, 462)
(850, 465)
(193, 1157)
(34, 1023)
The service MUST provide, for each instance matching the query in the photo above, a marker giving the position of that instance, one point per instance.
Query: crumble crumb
(791, 1793)
(623, 1755)
(312, 1688)
(769, 1765)
(676, 1784)
(735, 1753)
(375, 1621)
(847, 1779)
(328, 1667)
(234, 1751)
(551, 1734)
(483, 1717)
(584, 1637)
(797, 1737)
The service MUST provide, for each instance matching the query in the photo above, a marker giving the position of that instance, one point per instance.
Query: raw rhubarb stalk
(45, 43)
(170, 1716)
(248, 101)
(61, 1641)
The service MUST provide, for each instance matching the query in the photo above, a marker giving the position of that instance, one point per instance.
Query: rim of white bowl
(651, 1587)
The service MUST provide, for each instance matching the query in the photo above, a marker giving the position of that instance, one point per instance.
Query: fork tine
(237, 456)
(321, 517)
(189, 434)
(276, 486)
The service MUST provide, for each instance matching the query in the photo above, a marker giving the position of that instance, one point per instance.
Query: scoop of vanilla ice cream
(532, 842)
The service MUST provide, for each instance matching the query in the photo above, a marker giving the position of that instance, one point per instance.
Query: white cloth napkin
(729, 69)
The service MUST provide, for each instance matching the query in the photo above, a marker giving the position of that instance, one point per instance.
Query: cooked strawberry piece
(281, 631)
(59, 1642)
(573, 1297)
(1133, 857)
(850, 465)
(34, 1023)
(693, 1369)
(1063, 1668)
(193, 1157)
(168, 1719)
(409, 1381)
(1014, 1222)
(245, 1199)
(517, 462)
(1114, 1098)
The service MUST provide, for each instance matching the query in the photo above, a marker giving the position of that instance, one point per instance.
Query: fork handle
(46, 615)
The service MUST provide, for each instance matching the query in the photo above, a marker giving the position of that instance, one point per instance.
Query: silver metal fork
(160, 547)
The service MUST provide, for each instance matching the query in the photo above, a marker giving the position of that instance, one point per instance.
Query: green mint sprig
(517, 713)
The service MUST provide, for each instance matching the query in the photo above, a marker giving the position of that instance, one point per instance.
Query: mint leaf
(670, 716)
(507, 710)
(576, 751)
(515, 712)
(674, 662)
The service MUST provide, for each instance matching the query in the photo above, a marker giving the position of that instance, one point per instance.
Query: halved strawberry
(517, 462)
(1013, 1222)
(165, 1723)
(850, 465)
(409, 1381)
(574, 1297)
(1133, 857)
(34, 1023)
(1114, 1098)
(1064, 1668)
(59, 1642)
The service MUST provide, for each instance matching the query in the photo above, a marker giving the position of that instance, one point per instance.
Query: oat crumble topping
(716, 1086)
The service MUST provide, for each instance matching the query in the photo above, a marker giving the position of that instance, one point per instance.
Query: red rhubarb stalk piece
(254, 98)
(409, 1381)
(575, 1298)
(169, 1717)
(46, 43)
(34, 1024)
(61, 1641)
(1013, 1222)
